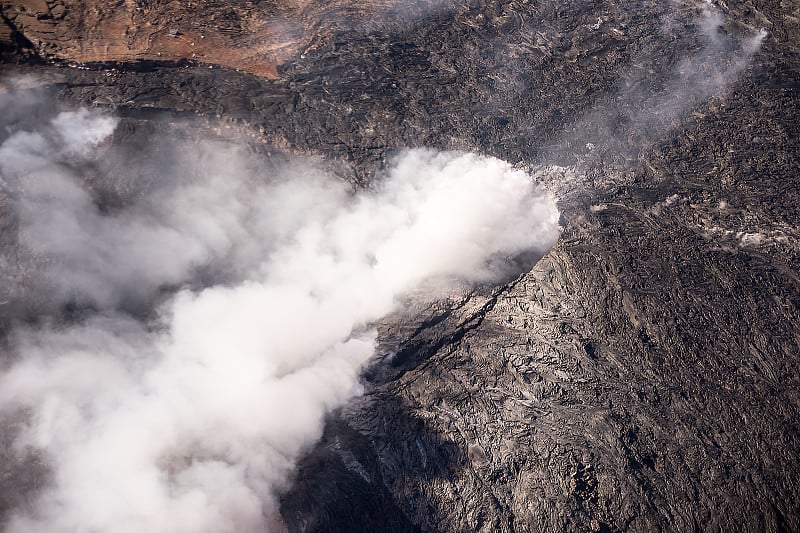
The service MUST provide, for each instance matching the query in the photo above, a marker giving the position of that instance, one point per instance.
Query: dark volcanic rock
(645, 375)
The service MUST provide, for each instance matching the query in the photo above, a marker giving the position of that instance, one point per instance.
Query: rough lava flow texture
(641, 376)
(192, 420)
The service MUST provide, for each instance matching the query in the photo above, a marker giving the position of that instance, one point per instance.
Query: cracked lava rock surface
(644, 374)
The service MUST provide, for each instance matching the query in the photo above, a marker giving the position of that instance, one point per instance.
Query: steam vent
(390, 266)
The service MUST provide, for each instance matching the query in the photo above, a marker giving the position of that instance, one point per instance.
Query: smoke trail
(190, 422)
(650, 103)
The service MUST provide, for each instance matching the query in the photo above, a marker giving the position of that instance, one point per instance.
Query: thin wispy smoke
(192, 420)
(649, 103)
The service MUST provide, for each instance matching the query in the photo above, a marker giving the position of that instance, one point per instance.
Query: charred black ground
(644, 375)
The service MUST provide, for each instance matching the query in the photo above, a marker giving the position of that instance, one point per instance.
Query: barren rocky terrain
(645, 374)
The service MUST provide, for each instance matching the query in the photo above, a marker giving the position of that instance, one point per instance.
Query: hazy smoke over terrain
(650, 102)
(191, 421)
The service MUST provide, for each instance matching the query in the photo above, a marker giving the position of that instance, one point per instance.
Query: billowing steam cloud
(190, 421)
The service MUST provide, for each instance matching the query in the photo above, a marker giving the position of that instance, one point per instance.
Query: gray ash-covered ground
(645, 375)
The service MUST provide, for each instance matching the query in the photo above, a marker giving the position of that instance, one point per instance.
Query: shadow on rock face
(511, 268)
(346, 483)
(376, 465)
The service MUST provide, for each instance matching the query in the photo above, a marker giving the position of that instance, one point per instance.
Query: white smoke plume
(191, 421)
(205, 217)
